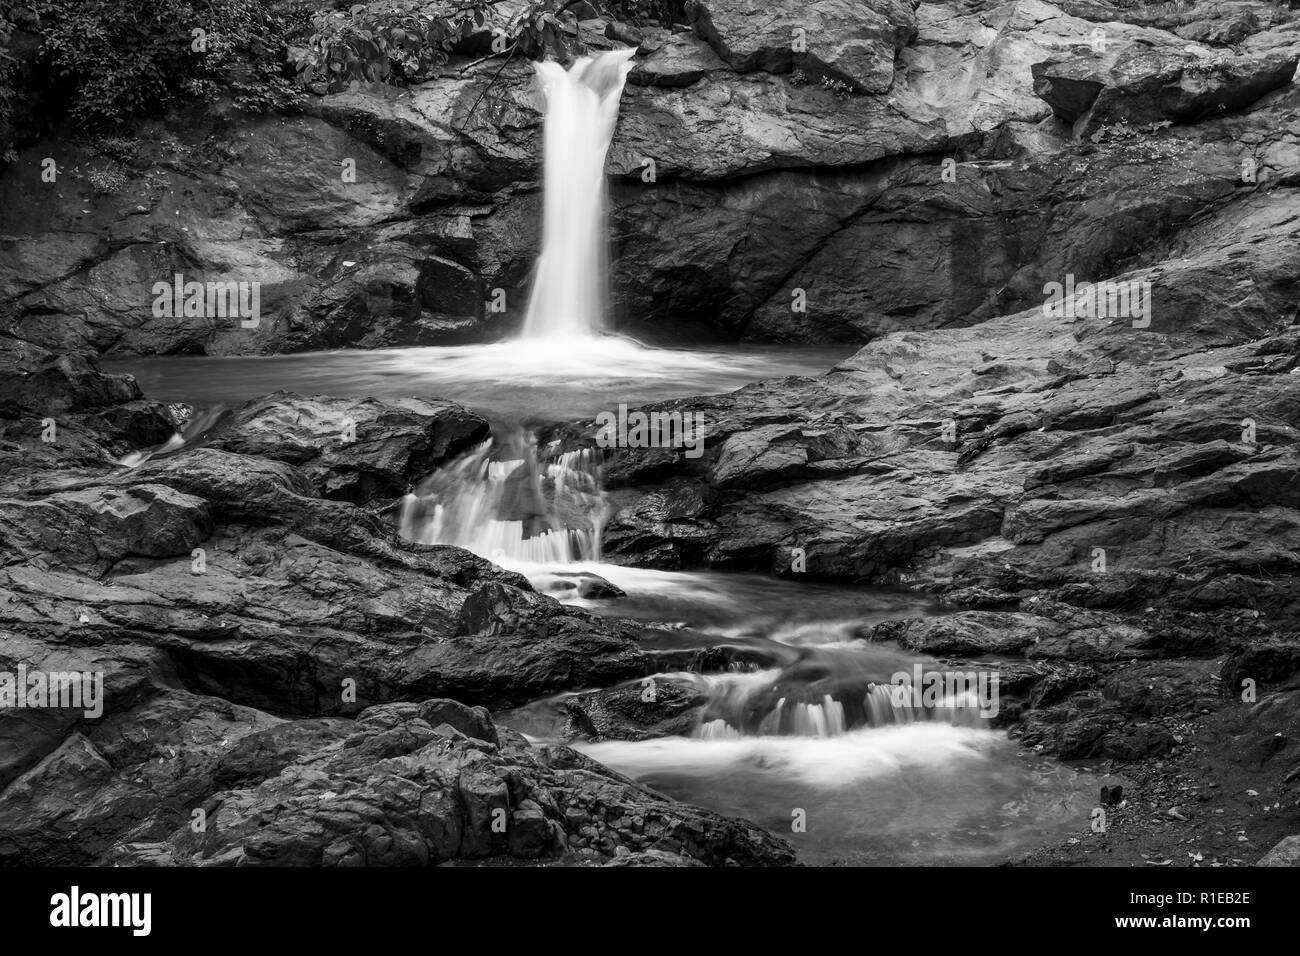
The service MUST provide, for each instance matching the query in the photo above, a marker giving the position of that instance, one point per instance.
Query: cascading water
(740, 705)
(522, 504)
(569, 292)
(512, 502)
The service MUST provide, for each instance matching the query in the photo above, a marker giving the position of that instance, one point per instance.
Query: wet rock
(1086, 728)
(967, 633)
(1286, 853)
(1164, 688)
(1268, 662)
(851, 42)
(279, 622)
(682, 61)
(261, 754)
(758, 457)
(389, 791)
(1127, 490)
(230, 574)
(654, 858)
(595, 588)
(1069, 634)
(96, 527)
(623, 33)
(38, 382)
(140, 422)
(471, 721)
(1138, 86)
(511, 645)
(584, 584)
(651, 708)
(141, 770)
(353, 449)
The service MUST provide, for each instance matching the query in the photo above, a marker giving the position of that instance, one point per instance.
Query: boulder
(392, 790)
(853, 43)
(353, 449)
(1139, 86)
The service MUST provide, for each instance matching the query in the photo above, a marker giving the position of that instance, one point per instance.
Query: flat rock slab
(353, 449)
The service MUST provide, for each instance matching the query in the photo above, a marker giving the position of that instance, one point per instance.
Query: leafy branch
(409, 41)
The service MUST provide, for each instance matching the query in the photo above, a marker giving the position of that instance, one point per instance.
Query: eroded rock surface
(782, 161)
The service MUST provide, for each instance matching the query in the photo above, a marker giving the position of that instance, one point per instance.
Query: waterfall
(510, 501)
(569, 292)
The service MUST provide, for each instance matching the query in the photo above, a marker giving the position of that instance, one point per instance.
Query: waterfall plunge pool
(520, 380)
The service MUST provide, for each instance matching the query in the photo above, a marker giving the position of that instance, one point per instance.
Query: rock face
(1138, 86)
(947, 455)
(786, 165)
(353, 449)
(1286, 853)
(189, 780)
(854, 43)
(33, 379)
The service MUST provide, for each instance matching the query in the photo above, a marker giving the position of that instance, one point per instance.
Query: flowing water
(794, 724)
(568, 299)
(791, 722)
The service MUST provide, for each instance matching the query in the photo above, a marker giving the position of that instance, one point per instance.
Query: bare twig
(495, 76)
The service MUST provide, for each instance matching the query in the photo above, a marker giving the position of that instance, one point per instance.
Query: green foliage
(118, 58)
(640, 12)
(840, 89)
(8, 65)
(393, 41)
(107, 179)
(122, 149)
(409, 41)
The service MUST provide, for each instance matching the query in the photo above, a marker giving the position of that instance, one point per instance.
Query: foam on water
(826, 760)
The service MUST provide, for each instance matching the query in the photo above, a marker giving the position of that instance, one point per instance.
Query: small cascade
(512, 502)
(717, 730)
(731, 712)
(819, 720)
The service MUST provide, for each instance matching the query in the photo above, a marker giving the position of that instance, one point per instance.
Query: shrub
(106, 180)
(393, 41)
(117, 58)
(409, 41)
(8, 66)
(838, 88)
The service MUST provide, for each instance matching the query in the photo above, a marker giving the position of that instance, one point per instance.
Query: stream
(795, 734)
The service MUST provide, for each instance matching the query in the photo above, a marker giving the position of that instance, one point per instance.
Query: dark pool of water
(517, 381)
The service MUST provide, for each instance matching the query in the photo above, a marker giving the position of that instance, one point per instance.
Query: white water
(921, 793)
(568, 298)
(833, 760)
(511, 504)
